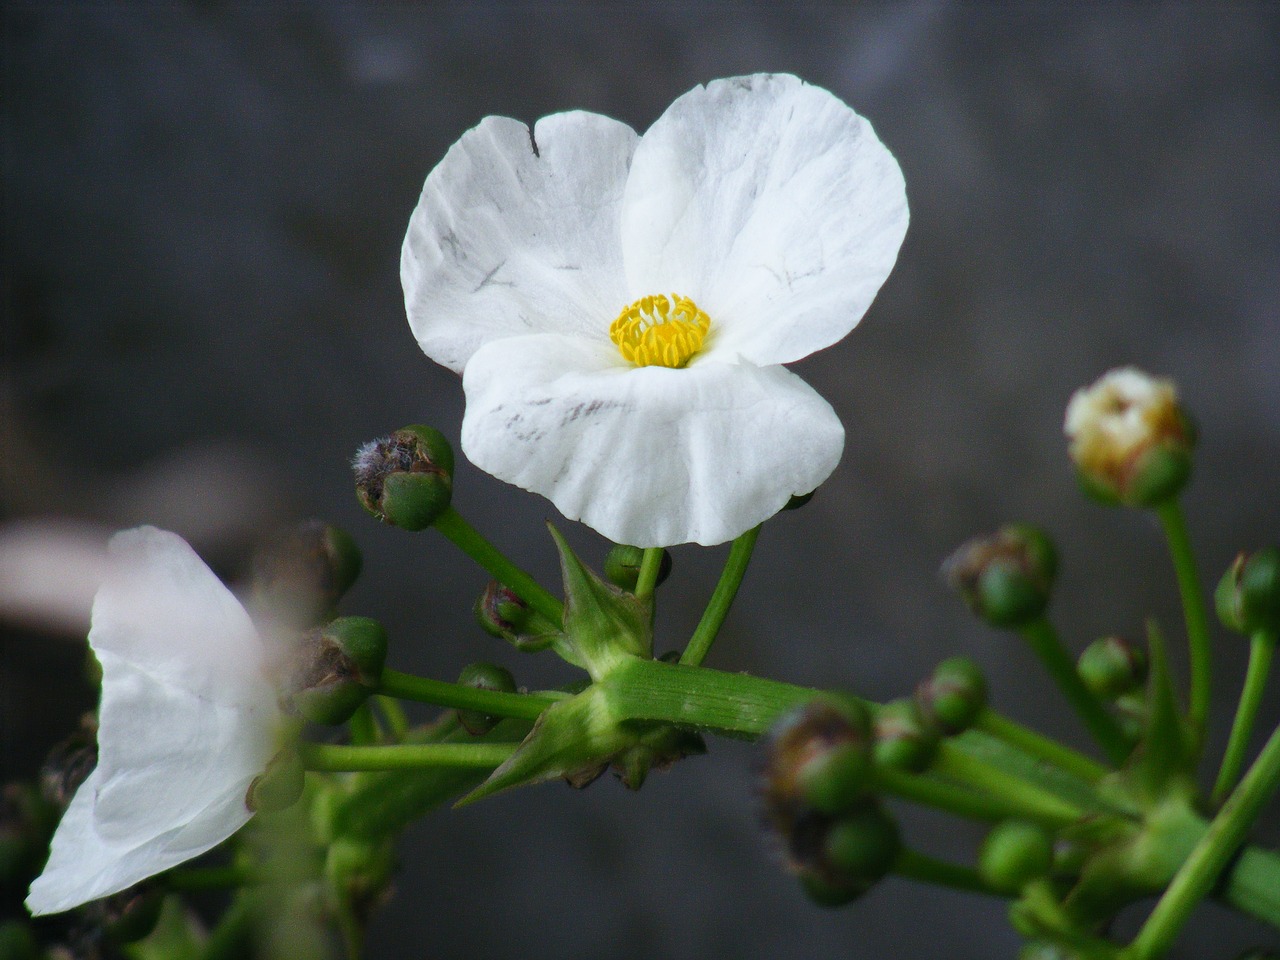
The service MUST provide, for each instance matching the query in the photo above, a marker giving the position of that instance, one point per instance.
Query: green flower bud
(952, 698)
(863, 844)
(819, 758)
(501, 613)
(406, 480)
(279, 786)
(1112, 667)
(1005, 578)
(1014, 854)
(622, 566)
(338, 666)
(1130, 439)
(1248, 595)
(300, 573)
(830, 891)
(903, 741)
(484, 676)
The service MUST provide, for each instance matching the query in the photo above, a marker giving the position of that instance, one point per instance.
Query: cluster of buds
(1005, 578)
(1130, 439)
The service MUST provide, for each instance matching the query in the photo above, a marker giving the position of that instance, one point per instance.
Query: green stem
(1104, 727)
(470, 542)
(1199, 873)
(524, 706)
(1262, 648)
(1040, 747)
(363, 727)
(650, 567)
(1193, 610)
(991, 780)
(403, 756)
(721, 599)
(963, 802)
(393, 714)
(917, 866)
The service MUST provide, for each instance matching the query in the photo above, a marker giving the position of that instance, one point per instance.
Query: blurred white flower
(750, 226)
(188, 719)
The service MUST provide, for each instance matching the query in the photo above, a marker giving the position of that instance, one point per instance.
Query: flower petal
(648, 456)
(518, 234)
(187, 720)
(770, 203)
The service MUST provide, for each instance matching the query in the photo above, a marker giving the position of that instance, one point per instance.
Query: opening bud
(279, 786)
(1130, 439)
(501, 613)
(622, 566)
(1248, 595)
(903, 741)
(818, 758)
(1005, 578)
(484, 676)
(1014, 854)
(1112, 667)
(406, 480)
(301, 572)
(952, 698)
(337, 667)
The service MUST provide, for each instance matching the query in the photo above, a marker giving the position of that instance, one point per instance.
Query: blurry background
(203, 211)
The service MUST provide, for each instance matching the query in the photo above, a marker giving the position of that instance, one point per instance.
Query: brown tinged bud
(301, 572)
(1130, 439)
(903, 741)
(484, 676)
(1112, 667)
(338, 666)
(622, 566)
(503, 614)
(1005, 578)
(1248, 595)
(837, 859)
(819, 758)
(406, 480)
(952, 698)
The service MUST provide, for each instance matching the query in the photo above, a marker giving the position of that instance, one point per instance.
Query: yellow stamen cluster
(660, 331)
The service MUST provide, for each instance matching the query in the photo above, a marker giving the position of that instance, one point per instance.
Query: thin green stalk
(403, 756)
(1193, 610)
(721, 599)
(363, 726)
(650, 567)
(1104, 727)
(393, 714)
(1261, 650)
(918, 866)
(954, 763)
(524, 706)
(470, 542)
(928, 791)
(1200, 872)
(1040, 747)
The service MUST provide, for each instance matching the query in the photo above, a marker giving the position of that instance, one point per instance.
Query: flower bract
(188, 719)
(621, 306)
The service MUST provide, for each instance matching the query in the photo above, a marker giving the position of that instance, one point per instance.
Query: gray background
(203, 212)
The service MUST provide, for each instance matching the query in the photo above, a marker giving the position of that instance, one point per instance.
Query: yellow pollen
(660, 331)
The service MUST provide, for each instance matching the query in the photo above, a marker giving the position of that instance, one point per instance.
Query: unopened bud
(339, 665)
(863, 844)
(1014, 854)
(952, 698)
(622, 566)
(1112, 667)
(1248, 595)
(406, 480)
(279, 786)
(484, 676)
(503, 614)
(1130, 439)
(1005, 578)
(903, 741)
(300, 573)
(818, 758)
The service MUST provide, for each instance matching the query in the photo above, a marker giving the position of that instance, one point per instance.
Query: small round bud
(338, 666)
(1248, 595)
(622, 566)
(863, 844)
(279, 786)
(952, 698)
(1112, 667)
(501, 613)
(903, 741)
(484, 676)
(1130, 439)
(406, 480)
(1005, 578)
(819, 758)
(300, 573)
(1014, 854)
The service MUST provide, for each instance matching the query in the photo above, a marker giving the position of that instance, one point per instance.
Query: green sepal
(1166, 752)
(603, 625)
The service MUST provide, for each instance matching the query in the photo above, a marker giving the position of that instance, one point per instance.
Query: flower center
(660, 331)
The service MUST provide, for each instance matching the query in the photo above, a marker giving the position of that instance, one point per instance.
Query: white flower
(188, 719)
(750, 226)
